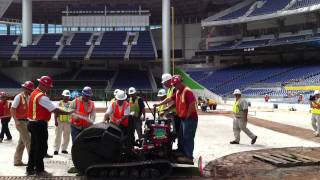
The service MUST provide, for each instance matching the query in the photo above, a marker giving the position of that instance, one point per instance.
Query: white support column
(26, 22)
(166, 48)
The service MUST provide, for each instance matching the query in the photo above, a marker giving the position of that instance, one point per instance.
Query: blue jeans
(187, 133)
(75, 132)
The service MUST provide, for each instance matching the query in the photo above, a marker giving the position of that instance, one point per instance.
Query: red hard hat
(176, 79)
(28, 85)
(46, 81)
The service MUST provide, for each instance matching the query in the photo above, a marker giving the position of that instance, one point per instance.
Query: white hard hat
(115, 92)
(237, 91)
(166, 77)
(316, 92)
(121, 95)
(161, 93)
(66, 93)
(132, 90)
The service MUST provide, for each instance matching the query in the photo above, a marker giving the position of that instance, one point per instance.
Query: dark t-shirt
(190, 98)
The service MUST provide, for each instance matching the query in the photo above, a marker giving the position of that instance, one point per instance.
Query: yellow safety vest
(315, 110)
(236, 109)
(134, 106)
(169, 95)
(160, 110)
(64, 118)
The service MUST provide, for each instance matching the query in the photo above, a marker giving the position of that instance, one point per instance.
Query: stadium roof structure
(49, 11)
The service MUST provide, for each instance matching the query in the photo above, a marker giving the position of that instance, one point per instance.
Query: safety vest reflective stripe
(315, 110)
(181, 105)
(235, 108)
(22, 109)
(170, 94)
(64, 118)
(34, 104)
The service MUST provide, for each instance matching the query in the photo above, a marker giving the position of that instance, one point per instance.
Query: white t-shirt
(45, 102)
(110, 110)
(16, 101)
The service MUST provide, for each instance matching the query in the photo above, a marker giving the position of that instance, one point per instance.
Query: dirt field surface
(242, 166)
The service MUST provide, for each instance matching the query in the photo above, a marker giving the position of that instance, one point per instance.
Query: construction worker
(315, 110)
(39, 113)
(119, 112)
(114, 96)
(240, 111)
(19, 112)
(137, 109)
(186, 103)
(166, 82)
(85, 112)
(5, 116)
(62, 123)
(161, 109)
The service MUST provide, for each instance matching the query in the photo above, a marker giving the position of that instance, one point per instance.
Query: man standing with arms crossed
(19, 112)
(240, 111)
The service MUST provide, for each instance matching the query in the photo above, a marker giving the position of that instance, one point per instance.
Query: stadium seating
(144, 48)
(97, 78)
(304, 3)
(78, 48)
(7, 47)
(111, 46)
(270, 6)
(138, 79)
(95, 75)
(235, 14)
(45, 49)
(224, 81)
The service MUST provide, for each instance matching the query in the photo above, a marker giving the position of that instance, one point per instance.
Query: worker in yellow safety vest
(62, 125)
(240, 111)
(315, 110)
(161, 109)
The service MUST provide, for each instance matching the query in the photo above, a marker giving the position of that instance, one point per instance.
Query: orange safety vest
(181, 105)
(118, 114)
(6, 109)
(35, 110)
(22, 109)
(82, 113)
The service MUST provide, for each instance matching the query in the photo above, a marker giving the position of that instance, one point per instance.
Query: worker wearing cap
(166, 82)
(315, 110)
(162, 95)
(62, 123)
(39, 113)
(85, 112)
(19, 112)
(118, 113)
(5, 116)
(240, 111)
(137, 109)
(185, 102)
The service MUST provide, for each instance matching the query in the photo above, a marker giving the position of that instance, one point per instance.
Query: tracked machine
(102, 152)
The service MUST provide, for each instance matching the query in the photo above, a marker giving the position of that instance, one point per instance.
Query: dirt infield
(243, 166)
